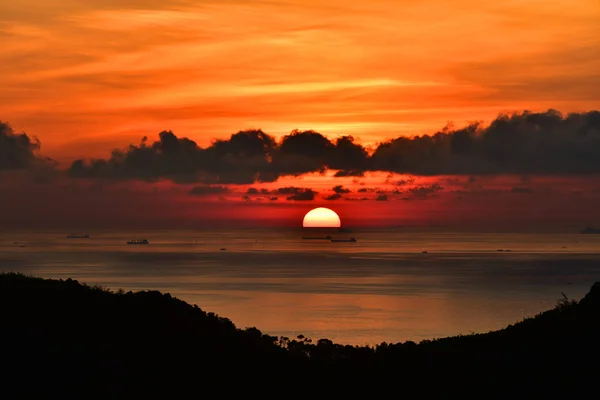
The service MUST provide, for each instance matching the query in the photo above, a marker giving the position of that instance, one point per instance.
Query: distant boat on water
(138, 241)
(590, 230)
(317, 237)
(78, 235)
(351, 240)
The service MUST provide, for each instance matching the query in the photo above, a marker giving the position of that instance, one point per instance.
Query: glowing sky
(86, 77)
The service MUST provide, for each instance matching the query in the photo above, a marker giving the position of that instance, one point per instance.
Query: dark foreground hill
(60, 337)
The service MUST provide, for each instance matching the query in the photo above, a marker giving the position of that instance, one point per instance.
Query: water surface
(381, 288)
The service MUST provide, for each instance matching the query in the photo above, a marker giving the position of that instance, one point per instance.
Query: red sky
(88, 77)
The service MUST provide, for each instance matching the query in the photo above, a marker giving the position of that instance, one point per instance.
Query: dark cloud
(365, 190)
(274, 198)
(246, 157)
(381, 197)
(242, 159)
(525, 144)
(403, 182)
(303, 151)
(297, 193)
(290, 190)
(255, 191)
(335, 196)
(356, 198)
(520, 143)
(18, 152)
(350, 172)
(306, 195)
(349, 157)
(339, 189)
(423, 192)
(206, 190)
(310, 151)
(173, 158)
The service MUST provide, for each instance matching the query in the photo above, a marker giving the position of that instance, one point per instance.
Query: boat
(351, 240)
(590, 230)
(138, 241)
(317, 237)
(78, 235)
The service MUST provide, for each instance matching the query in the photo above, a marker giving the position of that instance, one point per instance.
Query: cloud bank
(525, 143)
(17, 150)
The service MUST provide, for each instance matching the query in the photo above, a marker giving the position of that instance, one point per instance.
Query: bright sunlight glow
(321, 218)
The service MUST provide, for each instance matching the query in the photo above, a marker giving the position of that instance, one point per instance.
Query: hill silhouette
(61, 337)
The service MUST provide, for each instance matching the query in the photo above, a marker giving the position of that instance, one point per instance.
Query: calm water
(381, 288)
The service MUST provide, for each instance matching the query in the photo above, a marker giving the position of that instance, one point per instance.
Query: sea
(391, 285)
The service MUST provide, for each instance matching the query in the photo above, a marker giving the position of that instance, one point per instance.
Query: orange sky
(88, 76)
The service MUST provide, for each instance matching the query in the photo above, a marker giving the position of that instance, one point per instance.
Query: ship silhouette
(138, 241)
(78, 235)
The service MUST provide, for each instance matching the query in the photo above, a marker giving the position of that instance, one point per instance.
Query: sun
(321, 218)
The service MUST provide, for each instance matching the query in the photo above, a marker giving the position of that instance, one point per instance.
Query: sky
(270, 108)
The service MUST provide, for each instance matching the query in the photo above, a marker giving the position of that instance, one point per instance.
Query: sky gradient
(86, 77)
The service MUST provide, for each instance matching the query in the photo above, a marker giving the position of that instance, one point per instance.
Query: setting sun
(321, 218)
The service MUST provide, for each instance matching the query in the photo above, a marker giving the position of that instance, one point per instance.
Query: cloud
(423, 192)
(18, 152)
(310, 151)
(339, 189)
(206, 190)
(349, 157)
(520, 143)
(526, 143)
(381, 197)
(303, 151)
(403, 182)
(297, 193)
(241, 159)
(172, 158)
(255, 191)
(246, 157)
(335, 196)
(350, 172)
(306, 195)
